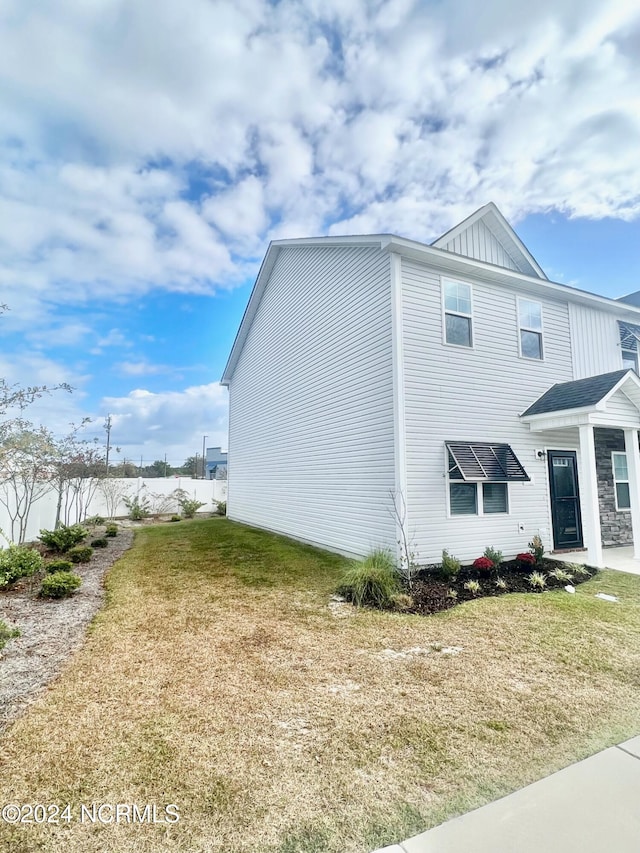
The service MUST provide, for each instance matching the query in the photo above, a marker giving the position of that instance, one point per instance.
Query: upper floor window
(629, 335)
(458, 313)
(530, 325)
(621, 480)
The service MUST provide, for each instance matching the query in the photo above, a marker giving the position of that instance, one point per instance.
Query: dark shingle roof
(576, 394)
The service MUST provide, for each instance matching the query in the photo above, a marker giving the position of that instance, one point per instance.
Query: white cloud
(159, 145)
(298, 117)
(152, 424)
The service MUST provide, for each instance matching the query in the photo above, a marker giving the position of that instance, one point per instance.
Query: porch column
(589, 504)
(633, 468)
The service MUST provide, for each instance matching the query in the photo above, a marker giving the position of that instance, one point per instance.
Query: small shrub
(578, 570)
(59, 566)
(7, 633)
(483, 564)
(16, 562)
(374, 581)
(111, 531)
(94, 521)
(494, 555)
(221, 506)
(99, 543)
(80, 554)
(64, 537)
(537, 548)
(60, 585)
(401, 601)
(525, 560)
(175, 518)
(189, 506)
(138, 509)
(537, 580)
(453, 594)
(501, 583)
(450, 566)
(473, 587)
(561, 575)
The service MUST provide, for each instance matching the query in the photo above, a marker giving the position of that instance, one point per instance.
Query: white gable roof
(487, 236)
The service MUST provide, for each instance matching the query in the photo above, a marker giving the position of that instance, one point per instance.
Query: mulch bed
(431, 592)
(51, 629)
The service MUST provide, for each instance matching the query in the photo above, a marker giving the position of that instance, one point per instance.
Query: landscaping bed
(50, 629)
(431, 593)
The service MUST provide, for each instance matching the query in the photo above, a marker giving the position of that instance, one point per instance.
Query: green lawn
(218, 678)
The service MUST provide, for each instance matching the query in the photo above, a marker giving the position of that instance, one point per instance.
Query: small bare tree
(26, 472)
(408, 566)
(114, 492)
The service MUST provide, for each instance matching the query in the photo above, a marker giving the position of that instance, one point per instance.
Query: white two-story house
(453, 382)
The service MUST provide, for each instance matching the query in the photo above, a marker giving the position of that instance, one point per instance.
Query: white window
(530, 326)
(629, 337)
(630, 359)
(458, 313)
(466, 498)
(621, 480)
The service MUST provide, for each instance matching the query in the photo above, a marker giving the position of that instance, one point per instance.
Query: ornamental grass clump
(537, 580)
(473, 587)
(372, 582)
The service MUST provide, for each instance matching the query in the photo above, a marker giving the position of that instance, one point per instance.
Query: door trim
(579, 543)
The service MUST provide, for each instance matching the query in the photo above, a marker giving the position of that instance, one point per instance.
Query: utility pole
(204, 457)
(165, 465)
(107, 426)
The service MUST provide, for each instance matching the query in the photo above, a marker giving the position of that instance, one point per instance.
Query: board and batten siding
(478, 242)
(595, 339)
(457, 393)
(311, 402)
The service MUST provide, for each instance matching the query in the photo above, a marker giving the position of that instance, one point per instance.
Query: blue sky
(150, 151)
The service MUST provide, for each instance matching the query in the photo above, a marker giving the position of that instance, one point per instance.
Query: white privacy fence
(106, 498)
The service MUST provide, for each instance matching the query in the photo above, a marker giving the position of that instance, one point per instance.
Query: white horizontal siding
(478, 242)
(455, 393)
(595, 341)
(311, 402)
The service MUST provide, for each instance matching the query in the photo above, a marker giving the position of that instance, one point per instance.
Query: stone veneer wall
(616, 525)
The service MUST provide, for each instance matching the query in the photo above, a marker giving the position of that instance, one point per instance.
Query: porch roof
(610, 399)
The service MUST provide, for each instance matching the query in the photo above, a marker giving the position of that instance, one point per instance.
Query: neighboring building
(454, 380)
(216, 464)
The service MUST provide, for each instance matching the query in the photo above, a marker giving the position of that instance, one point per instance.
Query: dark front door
(565, 499)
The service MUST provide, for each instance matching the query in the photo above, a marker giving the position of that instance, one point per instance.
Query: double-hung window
(458, 313)
(629, 337)
(621, 480)
(479, 474)
(530, 328)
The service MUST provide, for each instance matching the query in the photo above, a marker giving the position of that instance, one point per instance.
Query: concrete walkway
(590, 807)
(620, 558)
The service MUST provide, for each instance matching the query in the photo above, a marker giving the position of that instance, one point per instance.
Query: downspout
(399, 426)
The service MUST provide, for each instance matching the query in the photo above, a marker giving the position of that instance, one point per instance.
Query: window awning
(484, 462)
